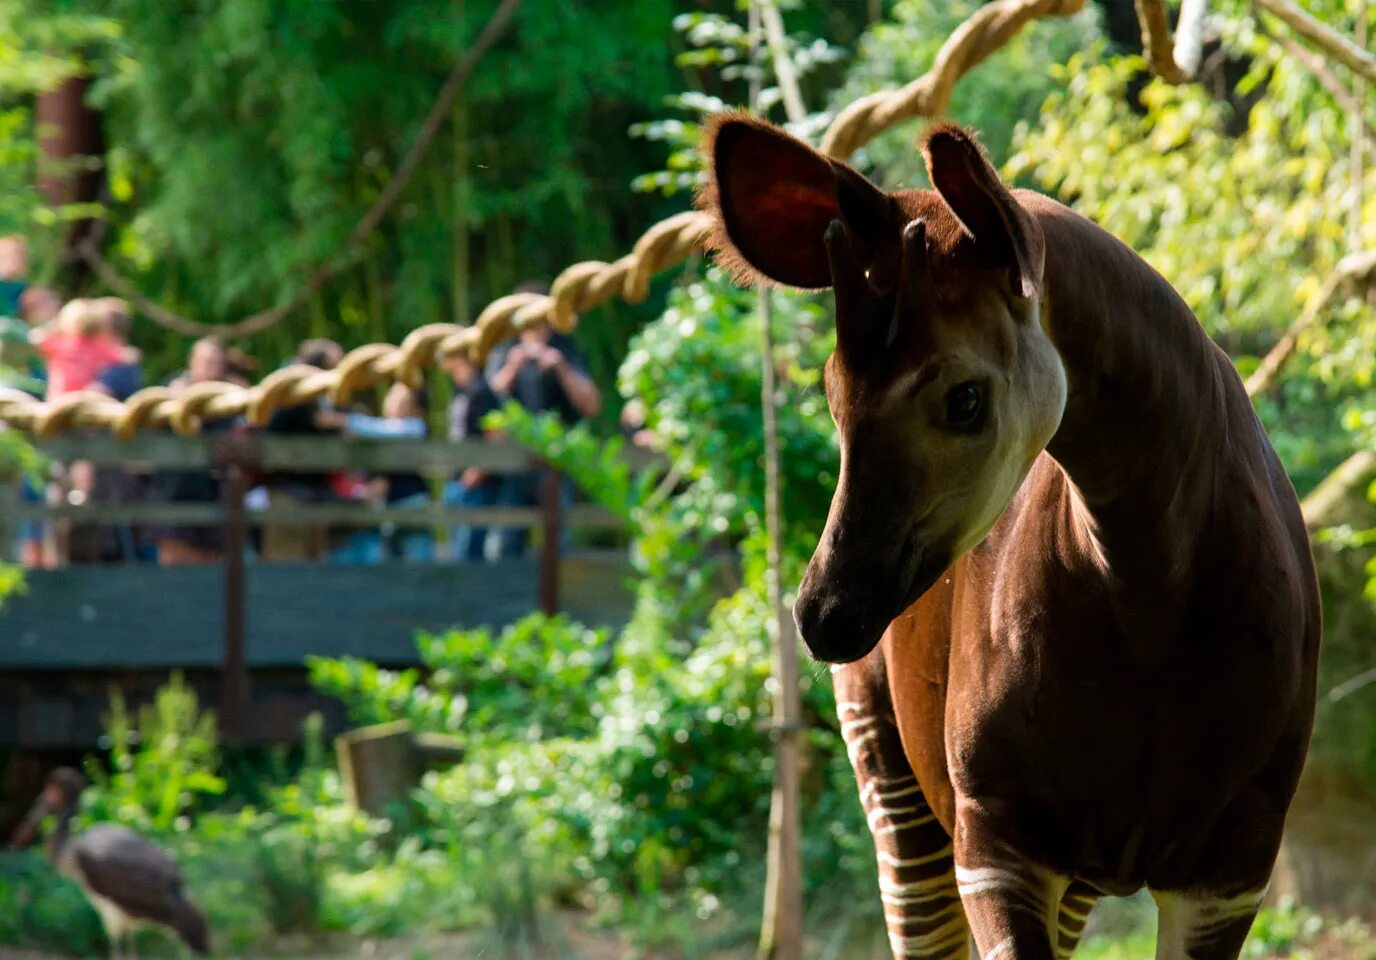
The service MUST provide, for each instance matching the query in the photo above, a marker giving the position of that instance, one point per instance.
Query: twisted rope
(577, 289)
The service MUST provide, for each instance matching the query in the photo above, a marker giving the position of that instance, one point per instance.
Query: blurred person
(14, 272)
(179, 546)
(37, 307)
(113, 485)
(474, 487)
(403, 418)
(76, 346)
(293, 488)
(123, 378)
(542, 371)
(633, 425)
(240, 367)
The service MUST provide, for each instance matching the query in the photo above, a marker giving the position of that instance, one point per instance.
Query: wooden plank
(117, 618)
(51, 710)
(294, 453)
(155, 513)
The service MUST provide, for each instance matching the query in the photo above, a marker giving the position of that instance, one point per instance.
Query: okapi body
(1064, 580)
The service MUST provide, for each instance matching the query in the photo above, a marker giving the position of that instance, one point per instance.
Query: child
(76, 347)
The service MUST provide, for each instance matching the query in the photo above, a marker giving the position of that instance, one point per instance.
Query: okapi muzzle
(872, 560)
(853, 588)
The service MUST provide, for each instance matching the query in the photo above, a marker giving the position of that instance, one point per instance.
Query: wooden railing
(244, 616)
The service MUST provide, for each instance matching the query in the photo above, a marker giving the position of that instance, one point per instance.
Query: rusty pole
(551, 525)
(234, 680)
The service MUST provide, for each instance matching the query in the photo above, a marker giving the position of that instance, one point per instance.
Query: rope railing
(577, 289)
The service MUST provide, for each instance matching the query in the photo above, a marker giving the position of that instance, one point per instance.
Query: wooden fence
(240, 629)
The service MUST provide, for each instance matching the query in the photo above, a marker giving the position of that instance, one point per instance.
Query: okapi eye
(963, 404)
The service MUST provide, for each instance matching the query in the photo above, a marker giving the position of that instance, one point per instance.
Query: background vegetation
(628, 775)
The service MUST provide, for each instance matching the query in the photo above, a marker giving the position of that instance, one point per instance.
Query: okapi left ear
(773, 198)
(1003, 231)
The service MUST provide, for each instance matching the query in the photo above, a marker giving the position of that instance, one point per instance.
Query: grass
(1135, 946)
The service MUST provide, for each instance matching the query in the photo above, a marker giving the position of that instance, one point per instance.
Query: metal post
(234, 679)
(551, 526)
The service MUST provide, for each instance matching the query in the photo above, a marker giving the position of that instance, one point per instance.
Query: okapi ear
(1003, 231)
(773, 197)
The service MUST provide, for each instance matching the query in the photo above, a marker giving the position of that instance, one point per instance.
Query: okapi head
(944, 386)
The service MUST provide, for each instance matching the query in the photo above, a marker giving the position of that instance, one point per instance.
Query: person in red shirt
(76, 347)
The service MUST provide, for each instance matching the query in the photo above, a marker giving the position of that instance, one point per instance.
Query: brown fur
(1113, 683)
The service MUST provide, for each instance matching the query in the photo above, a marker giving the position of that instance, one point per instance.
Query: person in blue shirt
(403, 418)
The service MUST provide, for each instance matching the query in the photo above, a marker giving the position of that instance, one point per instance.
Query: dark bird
(129, 880)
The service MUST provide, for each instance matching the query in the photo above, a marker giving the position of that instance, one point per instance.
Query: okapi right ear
(971, 189)
(773, 197)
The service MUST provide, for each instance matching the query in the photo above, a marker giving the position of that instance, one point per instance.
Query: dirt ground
(570, 940)
(566, 938)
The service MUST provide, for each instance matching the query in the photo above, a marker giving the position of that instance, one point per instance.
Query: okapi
(1064, 581)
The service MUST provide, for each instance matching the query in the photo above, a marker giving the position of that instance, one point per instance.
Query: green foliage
(719, 43)
(163, 761)
(303, 115)
(1007, 89)
(597, 465)
(40, 909)
(39, 54)
(1245, 219)
(1284, 930)
(532, 681)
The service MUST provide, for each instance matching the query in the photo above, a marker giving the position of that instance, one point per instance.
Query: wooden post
(9, 510)
(781, 933)
(551, 526)
(234, 679)
(380, 765)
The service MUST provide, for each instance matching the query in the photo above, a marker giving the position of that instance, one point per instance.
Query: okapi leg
(1013, 909)
(916, 871)
(1074, 913)
(1204, 928)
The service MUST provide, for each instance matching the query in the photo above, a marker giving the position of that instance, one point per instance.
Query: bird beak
(26, 834)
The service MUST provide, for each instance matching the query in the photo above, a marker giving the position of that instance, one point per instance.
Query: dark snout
(852, 592)
(837, 626)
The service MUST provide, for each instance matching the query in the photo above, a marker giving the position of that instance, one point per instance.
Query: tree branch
(1350, 267)
(1178, 62)
(323, 274)
(1325, 502)
(777, 41)
(1318, 68)
(1334, 44)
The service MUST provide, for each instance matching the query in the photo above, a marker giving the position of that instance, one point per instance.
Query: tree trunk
(71, 165)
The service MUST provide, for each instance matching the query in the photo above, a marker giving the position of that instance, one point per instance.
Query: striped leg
(1074, 913)
(916, 872)
(1195, 927)
(1014, 908)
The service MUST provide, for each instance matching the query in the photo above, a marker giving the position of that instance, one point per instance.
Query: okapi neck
(1144, 433)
